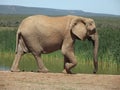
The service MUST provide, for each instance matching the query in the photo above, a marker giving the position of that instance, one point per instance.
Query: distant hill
(12, 9)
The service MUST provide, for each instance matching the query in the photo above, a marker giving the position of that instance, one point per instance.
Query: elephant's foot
(64, 71)
(15, 70)
(44, 70)
(67, 68)
(67, 71)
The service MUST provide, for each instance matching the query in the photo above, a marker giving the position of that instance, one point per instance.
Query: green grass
(11, 20)
(108, 56)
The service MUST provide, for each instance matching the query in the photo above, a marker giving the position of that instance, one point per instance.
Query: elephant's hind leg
(19, 53)
(40, 64)
(15, 65)
(20, 50)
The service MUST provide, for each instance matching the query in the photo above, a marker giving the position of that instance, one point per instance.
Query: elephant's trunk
(95, 53)
(95, 41)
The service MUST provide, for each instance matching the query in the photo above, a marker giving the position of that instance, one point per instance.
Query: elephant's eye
(90, 24)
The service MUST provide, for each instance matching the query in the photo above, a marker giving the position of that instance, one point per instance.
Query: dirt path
(57, 81)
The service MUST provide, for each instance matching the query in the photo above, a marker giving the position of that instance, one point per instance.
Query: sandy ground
(57, 81)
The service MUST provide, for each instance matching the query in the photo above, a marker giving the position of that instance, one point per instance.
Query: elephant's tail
(20, 43)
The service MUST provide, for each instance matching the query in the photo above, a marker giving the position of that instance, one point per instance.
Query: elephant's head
(85, 28)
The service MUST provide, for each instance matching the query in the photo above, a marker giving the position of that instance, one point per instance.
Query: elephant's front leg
(66, 60)
(40, 64)
(69, 62)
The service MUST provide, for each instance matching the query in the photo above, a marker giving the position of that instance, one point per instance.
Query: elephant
(40, 34)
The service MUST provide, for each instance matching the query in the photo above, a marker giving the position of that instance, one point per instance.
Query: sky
(96, 6)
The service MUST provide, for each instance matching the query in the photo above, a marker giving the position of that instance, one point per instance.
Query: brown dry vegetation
(57, 81)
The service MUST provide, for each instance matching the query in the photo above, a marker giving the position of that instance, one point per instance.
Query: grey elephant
(41, 34)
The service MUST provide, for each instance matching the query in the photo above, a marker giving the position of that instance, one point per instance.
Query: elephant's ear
(78, 28)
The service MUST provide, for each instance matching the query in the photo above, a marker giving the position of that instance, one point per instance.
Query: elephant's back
(41, 18)
(38, 22)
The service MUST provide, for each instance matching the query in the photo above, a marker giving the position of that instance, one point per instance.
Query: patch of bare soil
(57, 81)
